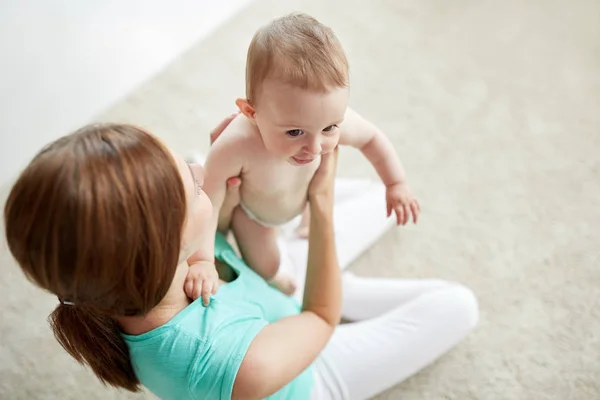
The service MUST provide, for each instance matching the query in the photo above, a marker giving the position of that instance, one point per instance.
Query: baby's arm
(223, 162)
(363, 135)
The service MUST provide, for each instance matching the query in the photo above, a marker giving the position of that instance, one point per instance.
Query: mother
(105, 219)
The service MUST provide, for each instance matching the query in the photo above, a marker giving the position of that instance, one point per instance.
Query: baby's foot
(302, 231)
(303, 227)
(284, 284)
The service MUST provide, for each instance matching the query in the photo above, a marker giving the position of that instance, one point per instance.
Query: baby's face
(297, 124)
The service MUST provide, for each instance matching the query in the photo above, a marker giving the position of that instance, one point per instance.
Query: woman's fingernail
(233, 182)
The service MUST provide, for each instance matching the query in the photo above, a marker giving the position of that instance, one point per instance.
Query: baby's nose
(313, 147)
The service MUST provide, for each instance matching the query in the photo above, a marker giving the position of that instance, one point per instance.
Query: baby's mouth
(303, 161)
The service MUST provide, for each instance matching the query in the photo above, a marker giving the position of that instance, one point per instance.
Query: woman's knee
(462, 303)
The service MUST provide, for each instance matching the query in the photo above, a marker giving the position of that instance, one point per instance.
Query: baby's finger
(406, 213)
(197, 289)
(215, 287)
(389, 209)
(414, 207)
(402, 212)
(189, 288)
(206, 291)
(399, 215)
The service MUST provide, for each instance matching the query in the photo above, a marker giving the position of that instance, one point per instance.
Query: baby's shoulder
(240, 136)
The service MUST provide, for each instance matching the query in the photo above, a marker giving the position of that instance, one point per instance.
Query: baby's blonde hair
(298, 50)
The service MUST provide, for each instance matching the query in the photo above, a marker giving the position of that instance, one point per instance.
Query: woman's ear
(246, 109)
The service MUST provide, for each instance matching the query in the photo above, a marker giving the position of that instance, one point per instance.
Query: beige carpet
(495, 110)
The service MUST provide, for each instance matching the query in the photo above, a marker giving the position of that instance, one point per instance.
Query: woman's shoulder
(200, 351)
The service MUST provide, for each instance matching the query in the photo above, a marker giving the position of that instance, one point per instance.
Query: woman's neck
(174, 301)
(172, 304)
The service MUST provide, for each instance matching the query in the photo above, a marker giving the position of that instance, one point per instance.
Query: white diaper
(254, 218)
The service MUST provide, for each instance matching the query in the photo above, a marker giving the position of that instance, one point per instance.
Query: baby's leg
(303, 228)
(258, 245)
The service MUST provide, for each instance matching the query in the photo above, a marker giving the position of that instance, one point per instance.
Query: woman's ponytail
(95, 340)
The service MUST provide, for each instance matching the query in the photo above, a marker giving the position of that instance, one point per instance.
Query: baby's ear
(246, 109)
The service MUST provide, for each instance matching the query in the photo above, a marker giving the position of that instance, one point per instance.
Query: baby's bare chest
(271, 177)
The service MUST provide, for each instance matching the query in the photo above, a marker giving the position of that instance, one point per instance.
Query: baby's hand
(400, 199)
(202, 280)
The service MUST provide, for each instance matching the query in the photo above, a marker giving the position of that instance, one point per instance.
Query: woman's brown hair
(97, 218)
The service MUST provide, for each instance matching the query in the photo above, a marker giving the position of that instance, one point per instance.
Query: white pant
(402, 326)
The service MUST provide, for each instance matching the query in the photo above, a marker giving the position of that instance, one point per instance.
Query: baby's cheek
(287, 148)
(273, 143)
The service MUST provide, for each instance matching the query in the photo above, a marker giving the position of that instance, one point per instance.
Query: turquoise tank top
(197, 354)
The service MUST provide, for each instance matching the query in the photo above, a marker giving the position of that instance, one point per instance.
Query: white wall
(64, 61)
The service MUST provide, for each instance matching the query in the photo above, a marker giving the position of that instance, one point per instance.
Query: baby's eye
(330, 128)
(295, 132)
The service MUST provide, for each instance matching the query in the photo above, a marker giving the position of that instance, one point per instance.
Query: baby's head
(296, 87)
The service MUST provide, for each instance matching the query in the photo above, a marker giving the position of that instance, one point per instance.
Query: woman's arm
(282, 350)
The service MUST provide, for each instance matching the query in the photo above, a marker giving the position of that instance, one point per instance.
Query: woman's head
(100, 218)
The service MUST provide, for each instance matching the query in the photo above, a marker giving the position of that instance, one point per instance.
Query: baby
(296, 110)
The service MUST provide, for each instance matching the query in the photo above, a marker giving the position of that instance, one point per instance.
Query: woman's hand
(322, 182)
(215, 133)
(232, 200)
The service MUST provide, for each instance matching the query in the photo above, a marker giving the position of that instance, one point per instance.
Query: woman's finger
(232, 197)
(329, 163)
(215, 133)
(234, 183)
(322, 181)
